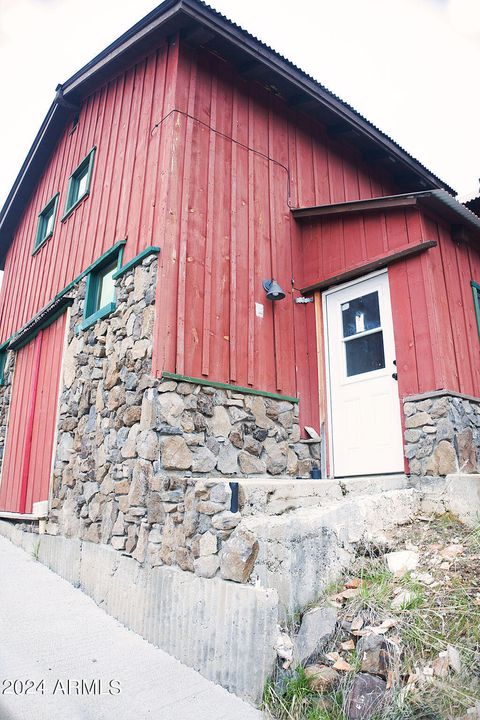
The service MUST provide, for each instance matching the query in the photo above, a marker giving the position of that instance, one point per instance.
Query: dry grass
(442, 612)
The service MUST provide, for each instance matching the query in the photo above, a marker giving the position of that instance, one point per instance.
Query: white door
(365, 427)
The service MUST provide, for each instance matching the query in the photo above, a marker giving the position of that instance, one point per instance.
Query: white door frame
(325, 294)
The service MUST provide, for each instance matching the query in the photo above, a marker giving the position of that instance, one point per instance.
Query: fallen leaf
(390, 680)
(454, 659)
(333, 656)
(348, 645)
(452, 551)
(440, 667)
(351, 593)
(343, 665)
(357, 623)
(353, 583)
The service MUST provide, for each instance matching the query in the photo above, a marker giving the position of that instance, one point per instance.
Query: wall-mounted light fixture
(273, 290)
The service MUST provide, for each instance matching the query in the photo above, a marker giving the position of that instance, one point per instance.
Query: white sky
(410, 66)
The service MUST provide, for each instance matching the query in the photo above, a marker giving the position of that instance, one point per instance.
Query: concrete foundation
(307, 533)
(224, 630)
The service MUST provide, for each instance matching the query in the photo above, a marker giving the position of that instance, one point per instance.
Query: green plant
(36, 550)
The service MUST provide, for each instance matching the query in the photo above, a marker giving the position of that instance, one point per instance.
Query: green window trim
(74, 195)
(109, 261)
(43, 233)
(3, 362)
(476, 302)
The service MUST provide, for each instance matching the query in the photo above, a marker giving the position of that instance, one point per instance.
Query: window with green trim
(79, 183)
(476, 302)
(100, 291)
(46, 222)
(3, 362)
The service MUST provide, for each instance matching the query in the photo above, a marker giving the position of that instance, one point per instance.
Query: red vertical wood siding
(240, 160)
(125, 199)
(434, 320)
(207, 165)
(32, 422)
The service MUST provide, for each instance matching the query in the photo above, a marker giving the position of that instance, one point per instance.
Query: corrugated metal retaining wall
(224, 630)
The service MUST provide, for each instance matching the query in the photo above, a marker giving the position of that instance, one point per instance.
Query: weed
(36, 550)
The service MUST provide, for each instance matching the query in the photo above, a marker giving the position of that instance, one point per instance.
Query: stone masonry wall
(5, 398)
(144, 464)
(442, 435)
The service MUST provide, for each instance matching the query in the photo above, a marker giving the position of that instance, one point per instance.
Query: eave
(440, 202)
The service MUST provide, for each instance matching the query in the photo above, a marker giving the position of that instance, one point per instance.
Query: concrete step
(276, 496)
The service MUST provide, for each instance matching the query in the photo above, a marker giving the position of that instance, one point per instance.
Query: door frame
(326, 359)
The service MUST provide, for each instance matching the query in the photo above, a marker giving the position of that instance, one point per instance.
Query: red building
(189, 138)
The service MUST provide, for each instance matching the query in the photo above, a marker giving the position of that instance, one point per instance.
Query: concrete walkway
(51, 631)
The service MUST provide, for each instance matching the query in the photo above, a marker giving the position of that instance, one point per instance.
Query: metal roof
(225, 37)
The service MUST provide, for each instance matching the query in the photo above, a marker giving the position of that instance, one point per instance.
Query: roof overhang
(201, 25)
(440, 202)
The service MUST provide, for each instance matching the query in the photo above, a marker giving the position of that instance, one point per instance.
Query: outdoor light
(273, 290)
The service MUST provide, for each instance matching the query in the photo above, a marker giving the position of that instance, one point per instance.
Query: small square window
(476, 302)
(46, 222)
(79, 183)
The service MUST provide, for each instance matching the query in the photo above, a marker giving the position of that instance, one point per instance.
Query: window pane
(82, 183)
(360, 314)
(106, 293)
(365, 354)
(48, 223)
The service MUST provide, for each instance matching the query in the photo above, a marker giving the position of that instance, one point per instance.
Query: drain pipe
(234, 500)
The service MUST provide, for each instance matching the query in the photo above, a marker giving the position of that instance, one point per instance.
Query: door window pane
(361, 314)
(365, 354)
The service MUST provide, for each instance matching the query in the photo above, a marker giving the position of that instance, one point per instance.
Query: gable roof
(201, 25)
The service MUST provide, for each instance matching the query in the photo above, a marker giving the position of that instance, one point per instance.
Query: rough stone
(365, 697)
(443, 460)
(417, 420)
(220, 493)
(375, 654)
(115, 398)
(402, 561)
(141, 473)
(444, 430)
(169, 408)
(129, 449)
(141, 546)
(321, 678)
(254, 447)
(207, 544)
(467, 456)
(412, 436)
(249, 464)
(238, 555)
(147, 445)
(227, 462)
(203, 460)
(206, 566)
(226, 520)
(316, 629)
(175, 454)
(220, 424)
(155, 511)
(259, 411)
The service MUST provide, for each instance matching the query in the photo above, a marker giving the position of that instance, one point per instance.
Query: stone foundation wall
(442, 434)
(5, 398)
(143, 464)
